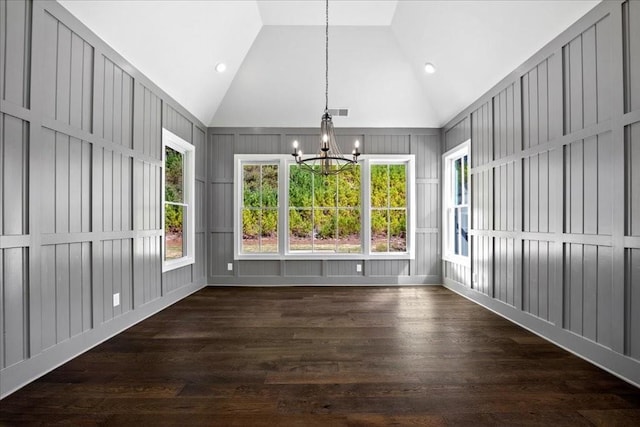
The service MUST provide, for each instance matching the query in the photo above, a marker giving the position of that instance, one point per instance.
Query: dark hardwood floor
(325, 356)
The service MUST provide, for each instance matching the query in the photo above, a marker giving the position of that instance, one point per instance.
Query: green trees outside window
(174, 209)
(324, 212)
(283, 209)
(388, 208)
(260, 208)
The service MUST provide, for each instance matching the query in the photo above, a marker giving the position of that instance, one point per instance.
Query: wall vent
(339, 112)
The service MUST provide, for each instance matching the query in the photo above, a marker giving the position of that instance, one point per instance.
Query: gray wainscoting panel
(177, 123)
(482, 135)
(148, 269)
(505, 118)
(388, 144)
(116, 119)
(505, 270)
(147, 203)
(392, 268)
(14, 175)
(68, 72)
(221, 207)
(81, 170)
(149, 141)
(537, 203)
(504, 190)
(588, 185)
(457, 134)
(587, 76)
(633, 289)
(631, 33)
(14, 287)
(555, 203)
(343, 268)
(259, 268)
(15, 52)
(587, 291)
(632, 154)
(482, 263)
(220, 157)
(482, 199)
(536, 278)
(258, 144)
(427, 262)
(220, 247)
(303, 268)
(425, 144)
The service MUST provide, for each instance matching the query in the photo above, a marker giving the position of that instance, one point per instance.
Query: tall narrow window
(178, 193)
(456, 198)
(324, 212)
(259, 208)
(388, 207)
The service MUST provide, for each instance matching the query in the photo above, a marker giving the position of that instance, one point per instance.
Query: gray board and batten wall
(224, 143)
(80, 178)
(555, 236)
(555, 243)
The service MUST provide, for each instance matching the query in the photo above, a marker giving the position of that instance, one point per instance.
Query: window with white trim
(178, 219)
(260, 207)
(363, 212)
(388, 185)
(457, 198)
(324, 212)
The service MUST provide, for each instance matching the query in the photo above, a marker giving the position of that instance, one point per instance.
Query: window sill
(321, 256)
(177, 263)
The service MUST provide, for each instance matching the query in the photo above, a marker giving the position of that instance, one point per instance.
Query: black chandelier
(329, 160)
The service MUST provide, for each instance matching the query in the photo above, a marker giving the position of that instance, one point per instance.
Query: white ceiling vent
(339, 112)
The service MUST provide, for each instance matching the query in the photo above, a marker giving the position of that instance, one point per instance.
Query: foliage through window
(324, 212)
(388, 207)
(178, 201)
(260, 208)
(174, 209)
(283, 210)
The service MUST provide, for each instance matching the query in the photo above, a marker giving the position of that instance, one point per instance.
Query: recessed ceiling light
(221, 67)
(429, 68)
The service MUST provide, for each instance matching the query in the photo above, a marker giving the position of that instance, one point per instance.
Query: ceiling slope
(177, 44)
(475, 44)
(274, 51)
(282, 82)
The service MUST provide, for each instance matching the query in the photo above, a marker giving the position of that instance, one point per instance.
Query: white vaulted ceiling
(274, 51)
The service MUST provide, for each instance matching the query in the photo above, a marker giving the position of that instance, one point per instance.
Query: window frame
(284, 161)
(188, 151)
(448, 160)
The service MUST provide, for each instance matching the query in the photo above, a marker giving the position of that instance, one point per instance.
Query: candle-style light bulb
(295, 143)
(295, 148)
(356, 144)
(325, 142)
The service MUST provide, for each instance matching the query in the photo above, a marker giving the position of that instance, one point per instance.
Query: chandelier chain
(326, 59)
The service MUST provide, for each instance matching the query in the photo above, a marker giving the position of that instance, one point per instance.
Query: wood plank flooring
(419, 356)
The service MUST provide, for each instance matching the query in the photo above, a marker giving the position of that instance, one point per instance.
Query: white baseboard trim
(617, 364)
(17, 376)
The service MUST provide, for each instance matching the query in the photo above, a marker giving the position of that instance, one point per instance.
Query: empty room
(320, 212)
